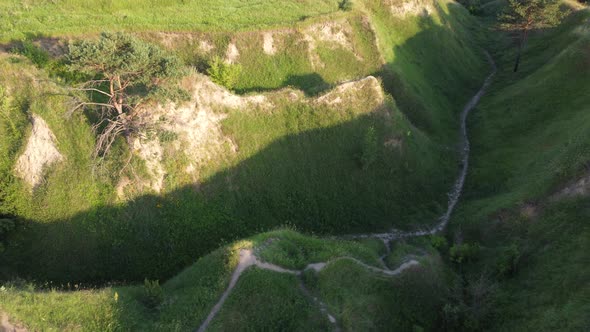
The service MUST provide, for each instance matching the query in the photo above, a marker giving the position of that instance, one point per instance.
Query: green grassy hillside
(262, 300)
(298, 164)
(432, 73)
(529, 134)
(74, 17)
(312, 146)
(530, 141)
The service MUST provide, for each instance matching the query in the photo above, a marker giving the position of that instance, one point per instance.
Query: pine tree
(126, 71)
(526, 15)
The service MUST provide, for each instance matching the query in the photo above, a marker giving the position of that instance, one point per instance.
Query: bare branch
(83, 104)
(108, 136)
(93, 82)
(93, 89)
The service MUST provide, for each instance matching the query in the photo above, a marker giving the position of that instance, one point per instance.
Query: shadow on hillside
(312, 181)
(434, 64)
(52, 45)
(311, 84)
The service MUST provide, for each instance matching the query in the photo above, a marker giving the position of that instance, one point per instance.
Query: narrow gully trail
(248, 257)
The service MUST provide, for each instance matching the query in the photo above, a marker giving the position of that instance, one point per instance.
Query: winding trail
(248, 257)
(457, 188)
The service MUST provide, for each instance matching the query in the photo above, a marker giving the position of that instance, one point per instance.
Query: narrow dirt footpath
(457, 188)
(248, 258)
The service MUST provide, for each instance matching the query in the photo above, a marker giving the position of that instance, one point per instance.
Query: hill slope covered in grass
(524, 202)
(262, 299)
(352, 158)
(57, 18)
(313, 142)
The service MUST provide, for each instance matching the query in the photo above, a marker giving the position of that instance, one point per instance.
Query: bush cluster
(461, 253)
(222, 73)
(37, 55)
(346, 5)
(153, 295)
(473, 6)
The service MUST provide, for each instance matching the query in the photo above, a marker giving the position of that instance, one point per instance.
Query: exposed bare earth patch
(232, 54)
(54, 46)
(171, 39)
(268, 45)
(40, 153)
(196, 126)
(7, 326)
(174, 40)
(206, 46)
(332, 34)
(579, 188)
(410, 8)
(150, 150)
(366, 92)
(529, 210)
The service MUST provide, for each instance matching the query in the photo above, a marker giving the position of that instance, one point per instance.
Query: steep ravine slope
(284, 159)
(250, 258)
(525, 210)
(224, 166)
(525, 205)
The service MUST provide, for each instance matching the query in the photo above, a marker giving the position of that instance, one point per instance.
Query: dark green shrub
(153, 295)
(346, 5)
(473, 6)
(37, 55)
(507, 261)
(225, 74)
(59, 70)
(461, 253)
(167, 136)
(167, 92)
(439, 242)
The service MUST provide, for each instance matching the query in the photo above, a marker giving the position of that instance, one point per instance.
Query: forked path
(248, 258)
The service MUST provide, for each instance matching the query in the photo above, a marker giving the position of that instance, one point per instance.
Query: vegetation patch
(77, 17)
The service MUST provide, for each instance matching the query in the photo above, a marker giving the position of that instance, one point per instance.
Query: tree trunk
(114, 96)
(517, 60)
(520, 48)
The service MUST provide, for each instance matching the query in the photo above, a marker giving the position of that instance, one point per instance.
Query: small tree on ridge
(526, 15)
